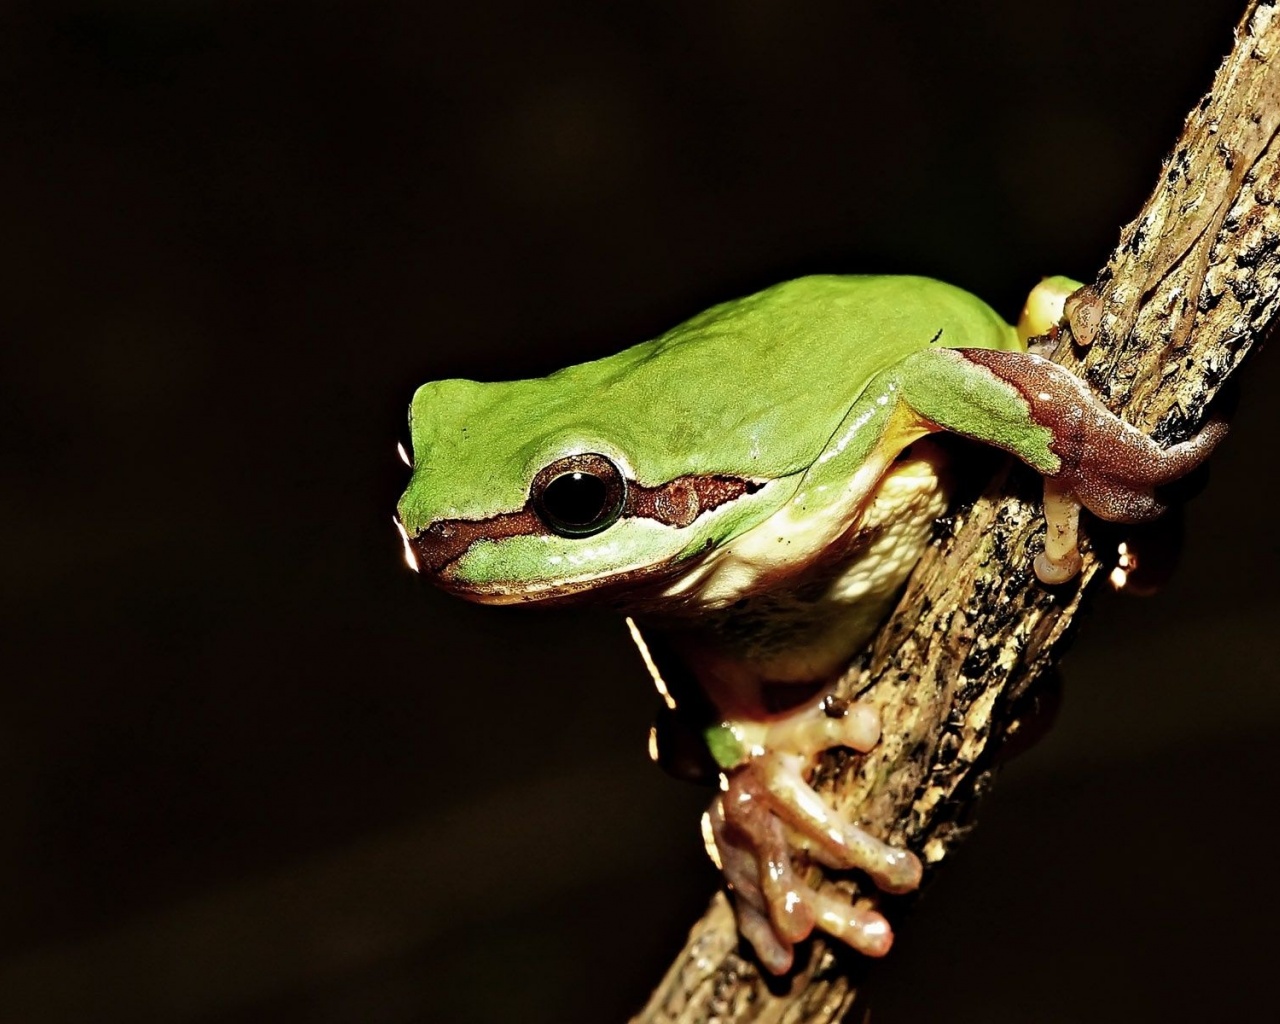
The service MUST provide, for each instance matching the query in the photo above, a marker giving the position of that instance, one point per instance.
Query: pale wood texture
(1188, 292)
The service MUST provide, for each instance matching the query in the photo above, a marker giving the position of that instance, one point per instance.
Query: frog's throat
(678, 503)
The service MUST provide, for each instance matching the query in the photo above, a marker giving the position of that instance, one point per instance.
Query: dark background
(253, 770)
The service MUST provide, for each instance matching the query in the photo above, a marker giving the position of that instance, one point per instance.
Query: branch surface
(1188, 292)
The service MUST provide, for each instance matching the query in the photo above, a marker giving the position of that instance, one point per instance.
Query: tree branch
(1188, 292)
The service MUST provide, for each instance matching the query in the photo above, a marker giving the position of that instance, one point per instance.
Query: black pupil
(575, 499)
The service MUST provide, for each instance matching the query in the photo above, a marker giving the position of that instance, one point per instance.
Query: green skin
(757, 442)
(798, 356)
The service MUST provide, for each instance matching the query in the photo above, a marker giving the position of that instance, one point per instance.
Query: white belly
(806, 625)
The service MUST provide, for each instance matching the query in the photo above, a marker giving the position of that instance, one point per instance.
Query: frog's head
(635, 467)
(543, 489)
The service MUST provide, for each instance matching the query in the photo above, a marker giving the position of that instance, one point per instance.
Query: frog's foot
(767, 811)
(1103, 463)
(1113, 470)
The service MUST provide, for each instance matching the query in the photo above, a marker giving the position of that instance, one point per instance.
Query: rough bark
(1187, 293)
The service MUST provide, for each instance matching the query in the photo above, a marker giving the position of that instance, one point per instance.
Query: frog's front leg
(767, 810)
(1049, 418)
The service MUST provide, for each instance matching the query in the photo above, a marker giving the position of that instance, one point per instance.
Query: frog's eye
(579, 495)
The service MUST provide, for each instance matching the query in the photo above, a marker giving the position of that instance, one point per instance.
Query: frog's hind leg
(767, 810)
(774, 916)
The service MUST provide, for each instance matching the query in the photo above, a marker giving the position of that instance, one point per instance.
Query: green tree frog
(752, 488)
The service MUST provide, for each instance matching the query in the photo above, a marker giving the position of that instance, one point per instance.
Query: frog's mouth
(629, 589)
(438, 555)
(437, 550)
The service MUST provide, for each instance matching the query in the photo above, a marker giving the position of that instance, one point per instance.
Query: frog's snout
(436, 549)
(433, 549)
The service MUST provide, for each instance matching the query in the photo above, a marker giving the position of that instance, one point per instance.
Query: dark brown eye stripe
(676, 503)
(681, 501)
(446, 541)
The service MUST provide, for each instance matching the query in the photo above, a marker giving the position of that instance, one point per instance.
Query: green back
(753, 387)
